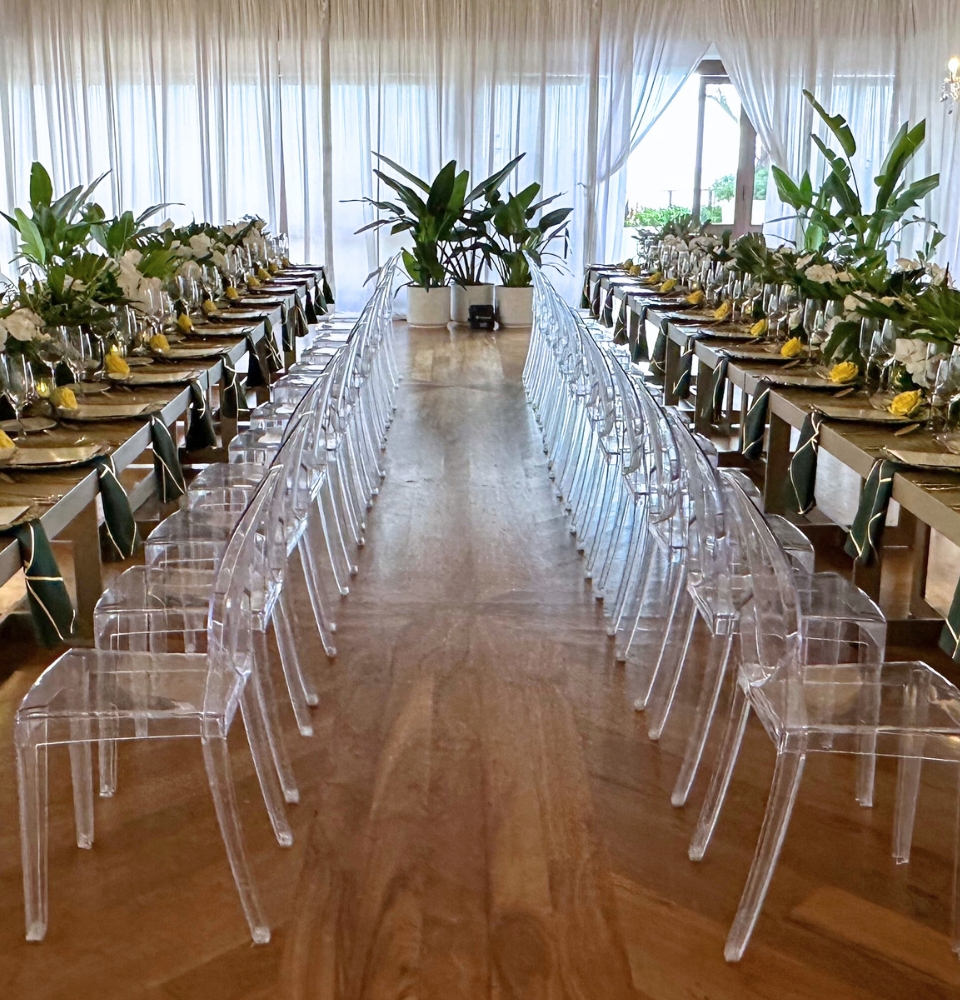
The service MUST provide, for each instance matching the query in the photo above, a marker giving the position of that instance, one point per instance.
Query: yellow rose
(627, 264)
(668, 285)
(653, 279)
(185, 323)
(63, 398)
(273, 267)
(5, 442)
(722, 311)
(286, 262)
(115, 365)
(846, 371)
(759, 328)
(252, 282)
(159, 343)
(263, 274)
(906, 403)
(695, 298)
(231, 293)
(209, 307)
(793, 348)
(636, 270)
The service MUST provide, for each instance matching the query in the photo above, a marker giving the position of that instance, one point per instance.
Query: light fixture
(951, 82)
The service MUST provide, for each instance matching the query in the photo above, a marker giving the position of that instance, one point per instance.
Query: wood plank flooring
(482, 814)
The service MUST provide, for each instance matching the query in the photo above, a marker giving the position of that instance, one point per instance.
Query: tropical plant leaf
(837, 125)
(32, 245)
(493, 182)
(404, 173)
(41, 187)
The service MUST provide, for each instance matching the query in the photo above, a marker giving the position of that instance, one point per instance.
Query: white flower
(823, 274)
(912, 354)
(937, 274)
(218, 259)
(843, 275)
(795, 318)
(832, 323)
(804, 260)
(166, 225)
(190, 269)
(201, 244)
(3, 336)
(850, 303)
(23, 325)
(888, 300)
(905, 264)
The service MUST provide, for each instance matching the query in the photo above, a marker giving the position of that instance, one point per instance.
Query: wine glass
(18, 384)
(72, 343)
(778, 309)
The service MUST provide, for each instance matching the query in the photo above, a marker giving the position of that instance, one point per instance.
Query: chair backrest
(770, 623)
(241, 580)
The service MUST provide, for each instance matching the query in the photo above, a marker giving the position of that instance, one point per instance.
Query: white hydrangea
(823, 274)
(23, 325)
(912, 354)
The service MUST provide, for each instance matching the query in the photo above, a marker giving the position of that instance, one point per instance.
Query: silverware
(904, 431)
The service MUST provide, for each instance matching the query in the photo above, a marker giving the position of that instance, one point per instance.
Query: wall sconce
(951, 82)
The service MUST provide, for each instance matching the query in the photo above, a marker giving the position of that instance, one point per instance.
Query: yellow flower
(252, 282)
(906, 403)
(115, 365)
(653, 278)
(209, 307)
(286, 262)
(627, 264)
(159, 343)
(695, 298)
(759, 328)
(846, 371)
(263, 274)
(185, 323)
(63, 398)
(636, 270)
(5, 442)
(793, 348)
(722, 311)
(231, 293)
(273, 267)
(668, 285)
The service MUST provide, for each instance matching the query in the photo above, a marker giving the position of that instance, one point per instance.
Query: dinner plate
(110, 411)
(27, 425)
(226, 330)
(863, 414)
(757, 354)
(159, 378)
(924, 459)
(87, 388)
(191, 353)
(726, 333)
(788, 381)
(12, 514)
(46, 458)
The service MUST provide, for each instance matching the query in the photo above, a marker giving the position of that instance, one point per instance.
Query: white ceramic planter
(428, 306)
(464, 296)
(514, 306)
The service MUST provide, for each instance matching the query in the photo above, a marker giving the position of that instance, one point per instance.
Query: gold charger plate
(46, 458)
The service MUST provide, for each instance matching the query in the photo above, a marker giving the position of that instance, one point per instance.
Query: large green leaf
(554, 218)
(902, 150)
(837, 125)
(789, 193)
(493, 182)
(442, 188)
(32, 245)
(41, 187)
(404, 173)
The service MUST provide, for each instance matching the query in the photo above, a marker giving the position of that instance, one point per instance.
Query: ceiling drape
(276, 108)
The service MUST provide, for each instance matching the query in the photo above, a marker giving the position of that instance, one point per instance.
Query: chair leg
(715, 670)
(81, 774)
(666, 672)
(722, 773)
(32, 786)
(266, 691)
(216, 758)
(286, 640)
(292, 672)
(908, 773)
(783, 795)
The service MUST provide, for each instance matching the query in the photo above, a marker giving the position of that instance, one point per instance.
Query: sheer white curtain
(276, 107)
(876, 62)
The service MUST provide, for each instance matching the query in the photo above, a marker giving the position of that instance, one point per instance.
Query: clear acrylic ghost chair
(816, 703)
(178, 574)
(131, 695)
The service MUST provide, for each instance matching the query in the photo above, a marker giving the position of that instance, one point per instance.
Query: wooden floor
(482, 813)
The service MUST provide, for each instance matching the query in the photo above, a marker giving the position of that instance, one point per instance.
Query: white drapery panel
(276, 108)
(877, 62)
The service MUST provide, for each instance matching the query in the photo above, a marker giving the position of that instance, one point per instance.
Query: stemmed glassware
(75, 350)
(880, 360)
(18, 384)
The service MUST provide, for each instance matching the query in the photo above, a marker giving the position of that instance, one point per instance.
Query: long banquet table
(928, 499)
(65, 501)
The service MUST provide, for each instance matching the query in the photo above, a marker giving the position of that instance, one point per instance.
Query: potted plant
(515, 234)
(470, 248)
(430, 220)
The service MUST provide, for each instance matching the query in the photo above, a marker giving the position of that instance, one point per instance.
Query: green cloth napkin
(658, 360)
(755, 422)
(257, 364)
(62, 374)
(595, 300)
(274, 361)
(166, 462)
(863, 541)
(585, 293)
(950, 636)
(231, 396)
(620, 335)
(638, 337)
(294, 326)
(7, 410)
(311, 309)
(607, 318)
(681, 388)
(119, 529)
(803, 466)
(50, 606)
(718, 385)
(200, 430)
(325, 288)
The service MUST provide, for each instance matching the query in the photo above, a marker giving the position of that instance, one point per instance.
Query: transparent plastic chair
(131, 694)
(816, 703)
